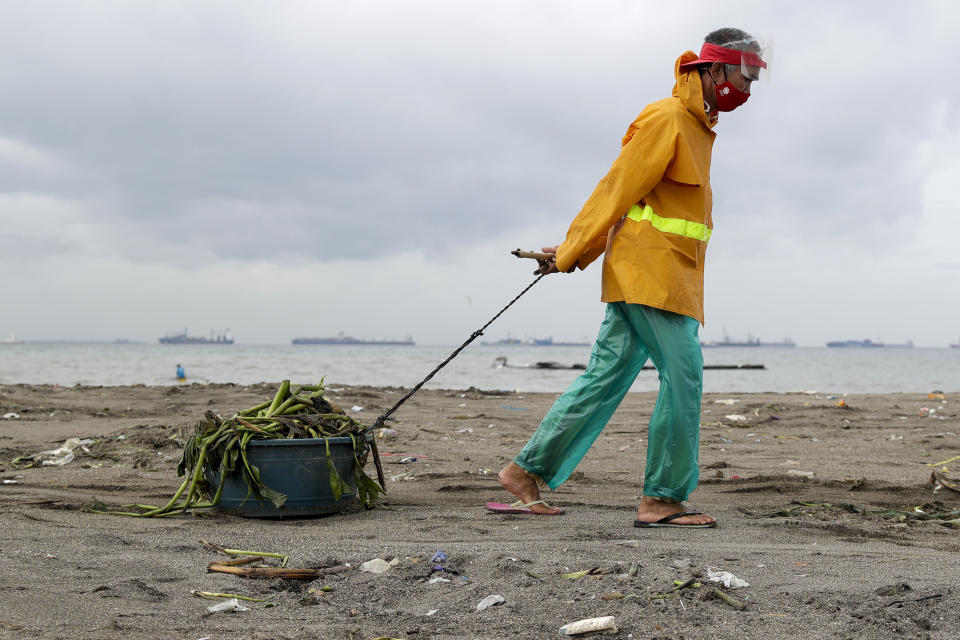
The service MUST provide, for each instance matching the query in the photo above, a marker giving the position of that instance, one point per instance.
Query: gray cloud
(193, 118)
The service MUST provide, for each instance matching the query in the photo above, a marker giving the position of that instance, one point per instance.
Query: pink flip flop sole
(500, 507)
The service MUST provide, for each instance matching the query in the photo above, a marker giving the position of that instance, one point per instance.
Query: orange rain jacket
(664, 163)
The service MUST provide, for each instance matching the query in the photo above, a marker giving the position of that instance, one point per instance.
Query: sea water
(824, 370)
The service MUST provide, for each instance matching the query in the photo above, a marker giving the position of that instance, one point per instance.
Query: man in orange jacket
(650, 217)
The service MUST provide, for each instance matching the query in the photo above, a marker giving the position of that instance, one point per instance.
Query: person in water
(181, 374)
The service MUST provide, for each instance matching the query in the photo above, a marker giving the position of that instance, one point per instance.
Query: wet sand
(865, 567)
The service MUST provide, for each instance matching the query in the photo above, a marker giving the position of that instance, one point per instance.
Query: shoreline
(828, 371)
(72, 572)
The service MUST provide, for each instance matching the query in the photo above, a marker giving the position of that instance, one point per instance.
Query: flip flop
(520, 507)
(666, 522)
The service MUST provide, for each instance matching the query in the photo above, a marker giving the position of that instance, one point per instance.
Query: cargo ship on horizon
(751, 341)
(342, 339)
(868, 343)
(184, 338)
(534, 342)
(549, 342)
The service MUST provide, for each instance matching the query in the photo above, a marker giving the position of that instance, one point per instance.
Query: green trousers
(629, 335)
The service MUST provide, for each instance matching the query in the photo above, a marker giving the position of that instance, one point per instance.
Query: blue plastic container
(296, 467)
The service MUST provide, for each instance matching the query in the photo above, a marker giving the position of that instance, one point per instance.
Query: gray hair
(732, 38)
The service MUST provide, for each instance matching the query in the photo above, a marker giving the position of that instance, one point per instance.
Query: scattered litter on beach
(940, 481)
(943, 462)
(576, 575)
(379, 565)
(863, 548)
(934, 513)
(12, 416)
(730, 600)
(59, 457)
(729, 580)
(235, 553)
(270, 573)
(214, 596)
(230, 606)
(605, 624)
(736, 417)
(490, 601)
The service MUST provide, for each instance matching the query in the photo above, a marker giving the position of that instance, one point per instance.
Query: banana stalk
(278, 399)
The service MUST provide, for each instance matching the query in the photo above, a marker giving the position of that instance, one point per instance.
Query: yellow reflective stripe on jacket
(677, 226)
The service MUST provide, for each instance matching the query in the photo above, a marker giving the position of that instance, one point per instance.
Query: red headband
(714, 53)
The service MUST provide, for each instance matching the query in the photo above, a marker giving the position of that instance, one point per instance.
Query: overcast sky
(304, 168)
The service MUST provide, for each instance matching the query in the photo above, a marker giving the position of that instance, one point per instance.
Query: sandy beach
(855, 560)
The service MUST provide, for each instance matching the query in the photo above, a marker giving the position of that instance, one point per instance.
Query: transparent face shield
(756, 59)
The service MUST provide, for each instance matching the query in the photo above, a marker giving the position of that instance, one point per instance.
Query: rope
(473, 336)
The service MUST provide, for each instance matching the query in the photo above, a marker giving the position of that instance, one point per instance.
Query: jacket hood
(690, 90)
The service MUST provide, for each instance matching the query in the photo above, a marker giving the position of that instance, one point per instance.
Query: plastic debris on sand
(729, 580)
(378, 565)
(63, 455)
(490, 601)
(605, 624)
(230, 605)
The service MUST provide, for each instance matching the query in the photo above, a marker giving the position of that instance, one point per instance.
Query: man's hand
(547, 266)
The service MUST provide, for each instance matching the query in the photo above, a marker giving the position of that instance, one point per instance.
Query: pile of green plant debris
(218, 448)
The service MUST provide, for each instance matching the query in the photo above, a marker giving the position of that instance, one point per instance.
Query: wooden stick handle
(520, 253)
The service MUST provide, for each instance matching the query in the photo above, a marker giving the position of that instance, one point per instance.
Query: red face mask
(729, 97)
